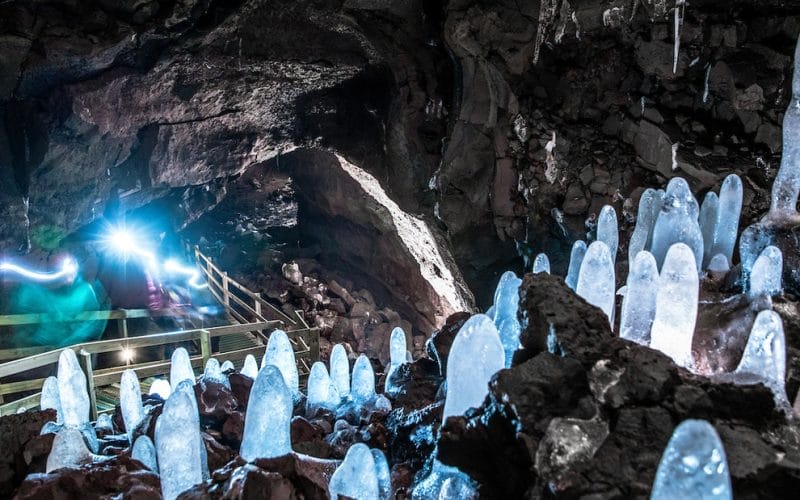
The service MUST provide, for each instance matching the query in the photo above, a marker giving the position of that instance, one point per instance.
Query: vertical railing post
(225, 290)
(205, 346)
(257, 303)
(86, 364)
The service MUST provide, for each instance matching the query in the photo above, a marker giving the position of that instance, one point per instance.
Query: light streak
(69, 270)
(174, 266)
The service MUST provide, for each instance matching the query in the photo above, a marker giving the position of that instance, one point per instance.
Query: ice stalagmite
(730, 208)
(718, 264)
(575, 261)
(340, 370)
(145, 452)
(362, 385)
(227, 366)
(678, 223)
(250, 367)
(180, 368)
(445, 483)
(383, 474)
(321, 391)
(607, 230)
(676, 306)
(50, 398)
(178, 445)
(476, 355)
(753, 240)
(764, 358)
(649, 208)
(787, 183)
(693, 465)
(130, 401)
(541, 264)
(397, 355)
(355, 477)
(280, 354)
(708, 223)
(72, 390)
(639, 304)
(160, 387)
(213, 370)
(506, 303)
(269, 413)
(765, 278)
(596, 279)
(68, 450)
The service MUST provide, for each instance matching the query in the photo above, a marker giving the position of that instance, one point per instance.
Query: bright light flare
(69, 270)
(173, 266)
(126, 243)
(127, 354)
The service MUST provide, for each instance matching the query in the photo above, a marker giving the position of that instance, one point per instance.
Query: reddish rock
(214, 401)
(240, 388)
(233, 428)
(16, 432)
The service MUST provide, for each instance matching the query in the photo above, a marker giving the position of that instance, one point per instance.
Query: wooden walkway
(251, 320)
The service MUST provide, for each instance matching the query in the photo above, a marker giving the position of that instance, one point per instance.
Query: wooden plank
(85, 359)
(205, 346)
(114, 314)
(28, 402)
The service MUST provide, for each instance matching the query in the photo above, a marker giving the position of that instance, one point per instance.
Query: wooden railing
(244, 305)
(112, 375)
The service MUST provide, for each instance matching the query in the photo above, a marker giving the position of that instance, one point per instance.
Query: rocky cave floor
(588, 422)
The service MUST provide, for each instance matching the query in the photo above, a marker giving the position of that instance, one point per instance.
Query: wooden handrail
(113, 314)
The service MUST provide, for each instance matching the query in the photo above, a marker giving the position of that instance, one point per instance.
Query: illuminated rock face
(281, 355)
(676, 306)
(596, 279)
(130, 401)
(72, 390)
(268, 417)
(475, 356)
(693, 465)
(178, 445)
(639, 304)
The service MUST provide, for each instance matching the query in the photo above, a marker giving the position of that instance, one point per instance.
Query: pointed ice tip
(693, 465)
(596, 278)
(766, 276)
(356, 476)
(178, 444)
(362, 386)
(475, 356)
(72, 391)
(250, 368)
(130, 401)
(575, 260)
(541, 264)
(340, 370)
(397, 346)
(279, 353)
(269, 413)
(607, 229)
(180, 368)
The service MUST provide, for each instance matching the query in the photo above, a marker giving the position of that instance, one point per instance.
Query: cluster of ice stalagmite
(677, 222)
(504, 313)
(693, 465)
(364, 474)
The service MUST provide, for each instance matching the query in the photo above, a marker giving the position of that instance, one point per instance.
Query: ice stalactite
(506, 304)
(340, 370)
(250, 367)
(397, 356)
(575, 260)
(787, 183)
(475, 356)
(280, 354)
(765, 278)
(730, 208)
(764, 358)
(144, 451)
(130, 401)
(639, 304)
(267, 421)
(178, 445)
(607, 229)
(596, 278)
(180, 368)
(541, 264)
(708, 221)
(680, 5)
(676, 306)
(678, 223)
(693, 465)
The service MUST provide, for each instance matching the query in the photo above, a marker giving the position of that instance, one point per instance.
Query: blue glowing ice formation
(765, 278)
(213, 373)
(575, 261)
(649, 207)
(787, 182)
(145, 452)
(322, 392)
(72, 390)
(639, 303)
(340, 370)
(506, 303)
(753, 240)
(708, 222)
(228, 366)
(397, 356)
(250, 367)
(596, 278)
(475, 356)
(764, 358)
(445, 483)
(268, 417)
(362, 385)
(730, 208)
(678, 223)
(280, 354)
(180, 368)
(178, 445)
(161, 388)
(355, 477)
(676, 306)
(68, 450)
(607, 230)
(541, 264)
(130, 401)
(718, 264)
(383, 474)
(693, 465)
(50, 398)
